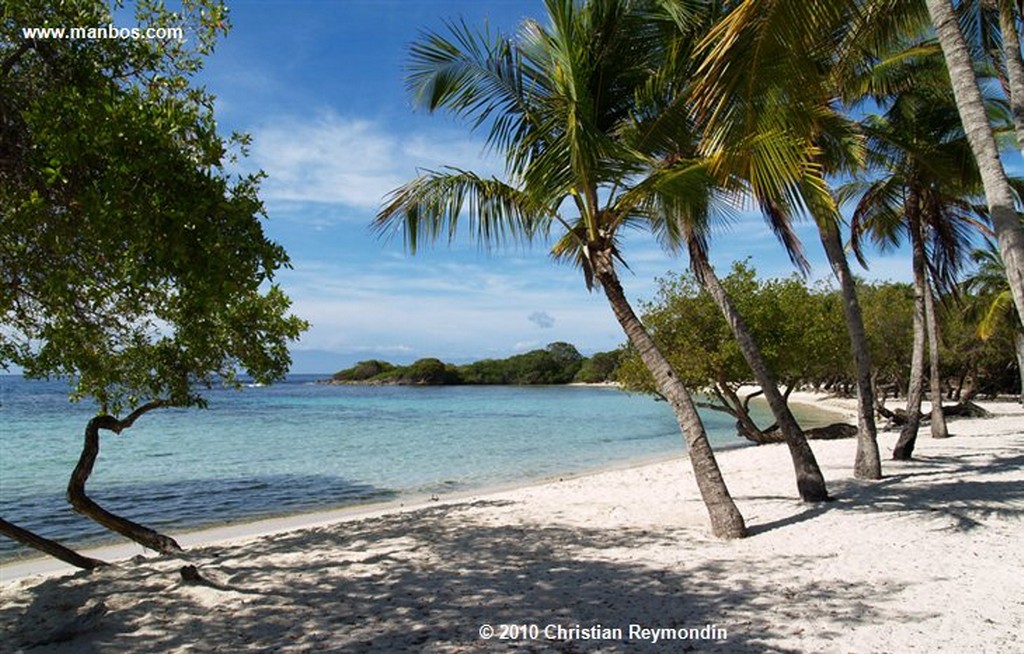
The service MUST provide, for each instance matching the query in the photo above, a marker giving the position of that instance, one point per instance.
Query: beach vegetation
(601, 367)
(744, 165)
(793, 323)
(363, 371)
(789, 67)
(134, 264)
(991, 308)
(980, 133)
(770, 77)
(429, 371)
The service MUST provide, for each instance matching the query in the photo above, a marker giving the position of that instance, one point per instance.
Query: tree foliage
(798, 326)
(132, 261)
(795, 326)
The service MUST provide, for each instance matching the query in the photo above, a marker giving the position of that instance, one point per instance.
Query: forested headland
(558, 363)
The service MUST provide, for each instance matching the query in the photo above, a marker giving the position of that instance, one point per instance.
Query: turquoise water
(301, 446)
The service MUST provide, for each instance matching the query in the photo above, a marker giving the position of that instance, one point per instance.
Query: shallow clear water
(301, 446)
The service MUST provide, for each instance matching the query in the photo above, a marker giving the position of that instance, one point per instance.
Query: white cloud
(353, 162)
(449, 311)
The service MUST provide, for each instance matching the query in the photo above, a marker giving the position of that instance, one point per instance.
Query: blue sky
(319, 85)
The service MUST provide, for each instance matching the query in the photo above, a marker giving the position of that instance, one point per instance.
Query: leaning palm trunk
(938, 421)
(1014, 67)
(867, 462)
(726, 521)
(998, 194)
(809, 481)
(904, 449)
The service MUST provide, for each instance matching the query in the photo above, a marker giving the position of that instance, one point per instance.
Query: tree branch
(12, 59)
(85, 505)
(51, 547)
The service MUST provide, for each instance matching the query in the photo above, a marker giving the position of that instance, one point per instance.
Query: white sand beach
(929, 559)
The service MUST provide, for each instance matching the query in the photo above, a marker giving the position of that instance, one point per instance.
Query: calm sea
(301, 446)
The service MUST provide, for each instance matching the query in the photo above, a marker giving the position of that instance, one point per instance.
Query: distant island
(558, 363)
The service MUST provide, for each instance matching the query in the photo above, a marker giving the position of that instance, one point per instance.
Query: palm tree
(989, 283)
(971, 106)
(990, 29)
(769, 74)
(677, 82)
(561, 103)
(925, 181)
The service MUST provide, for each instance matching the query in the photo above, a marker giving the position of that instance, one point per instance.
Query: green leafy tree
(567, 358)
(566, 107)
(977, 363)
(599, 367)
(132, 263)
(793, 324)
(363, 371)
(487, 372)
(888, 318)
(429, 371)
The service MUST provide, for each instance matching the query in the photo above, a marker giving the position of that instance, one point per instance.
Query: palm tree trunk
(1018, 342)
(809, 481)
(1014, 66)
(938, 421)
(726, 521)
(1007, 224)
(85, 505)
(867, 463)
(904, 449)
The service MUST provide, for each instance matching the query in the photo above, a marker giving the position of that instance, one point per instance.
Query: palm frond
(479, 76)
(1000, 312)
(433, 205)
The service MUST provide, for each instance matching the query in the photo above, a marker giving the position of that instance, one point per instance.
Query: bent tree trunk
(904, 448)
(89, 508)
(809, 481)
(740, 409)
(998, 194)
(938, 421)
(47, 546)
(726, 521)
(867, 462)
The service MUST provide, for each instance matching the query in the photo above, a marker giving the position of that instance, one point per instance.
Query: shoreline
(231, 532)
(919, 560)
(33, 563)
